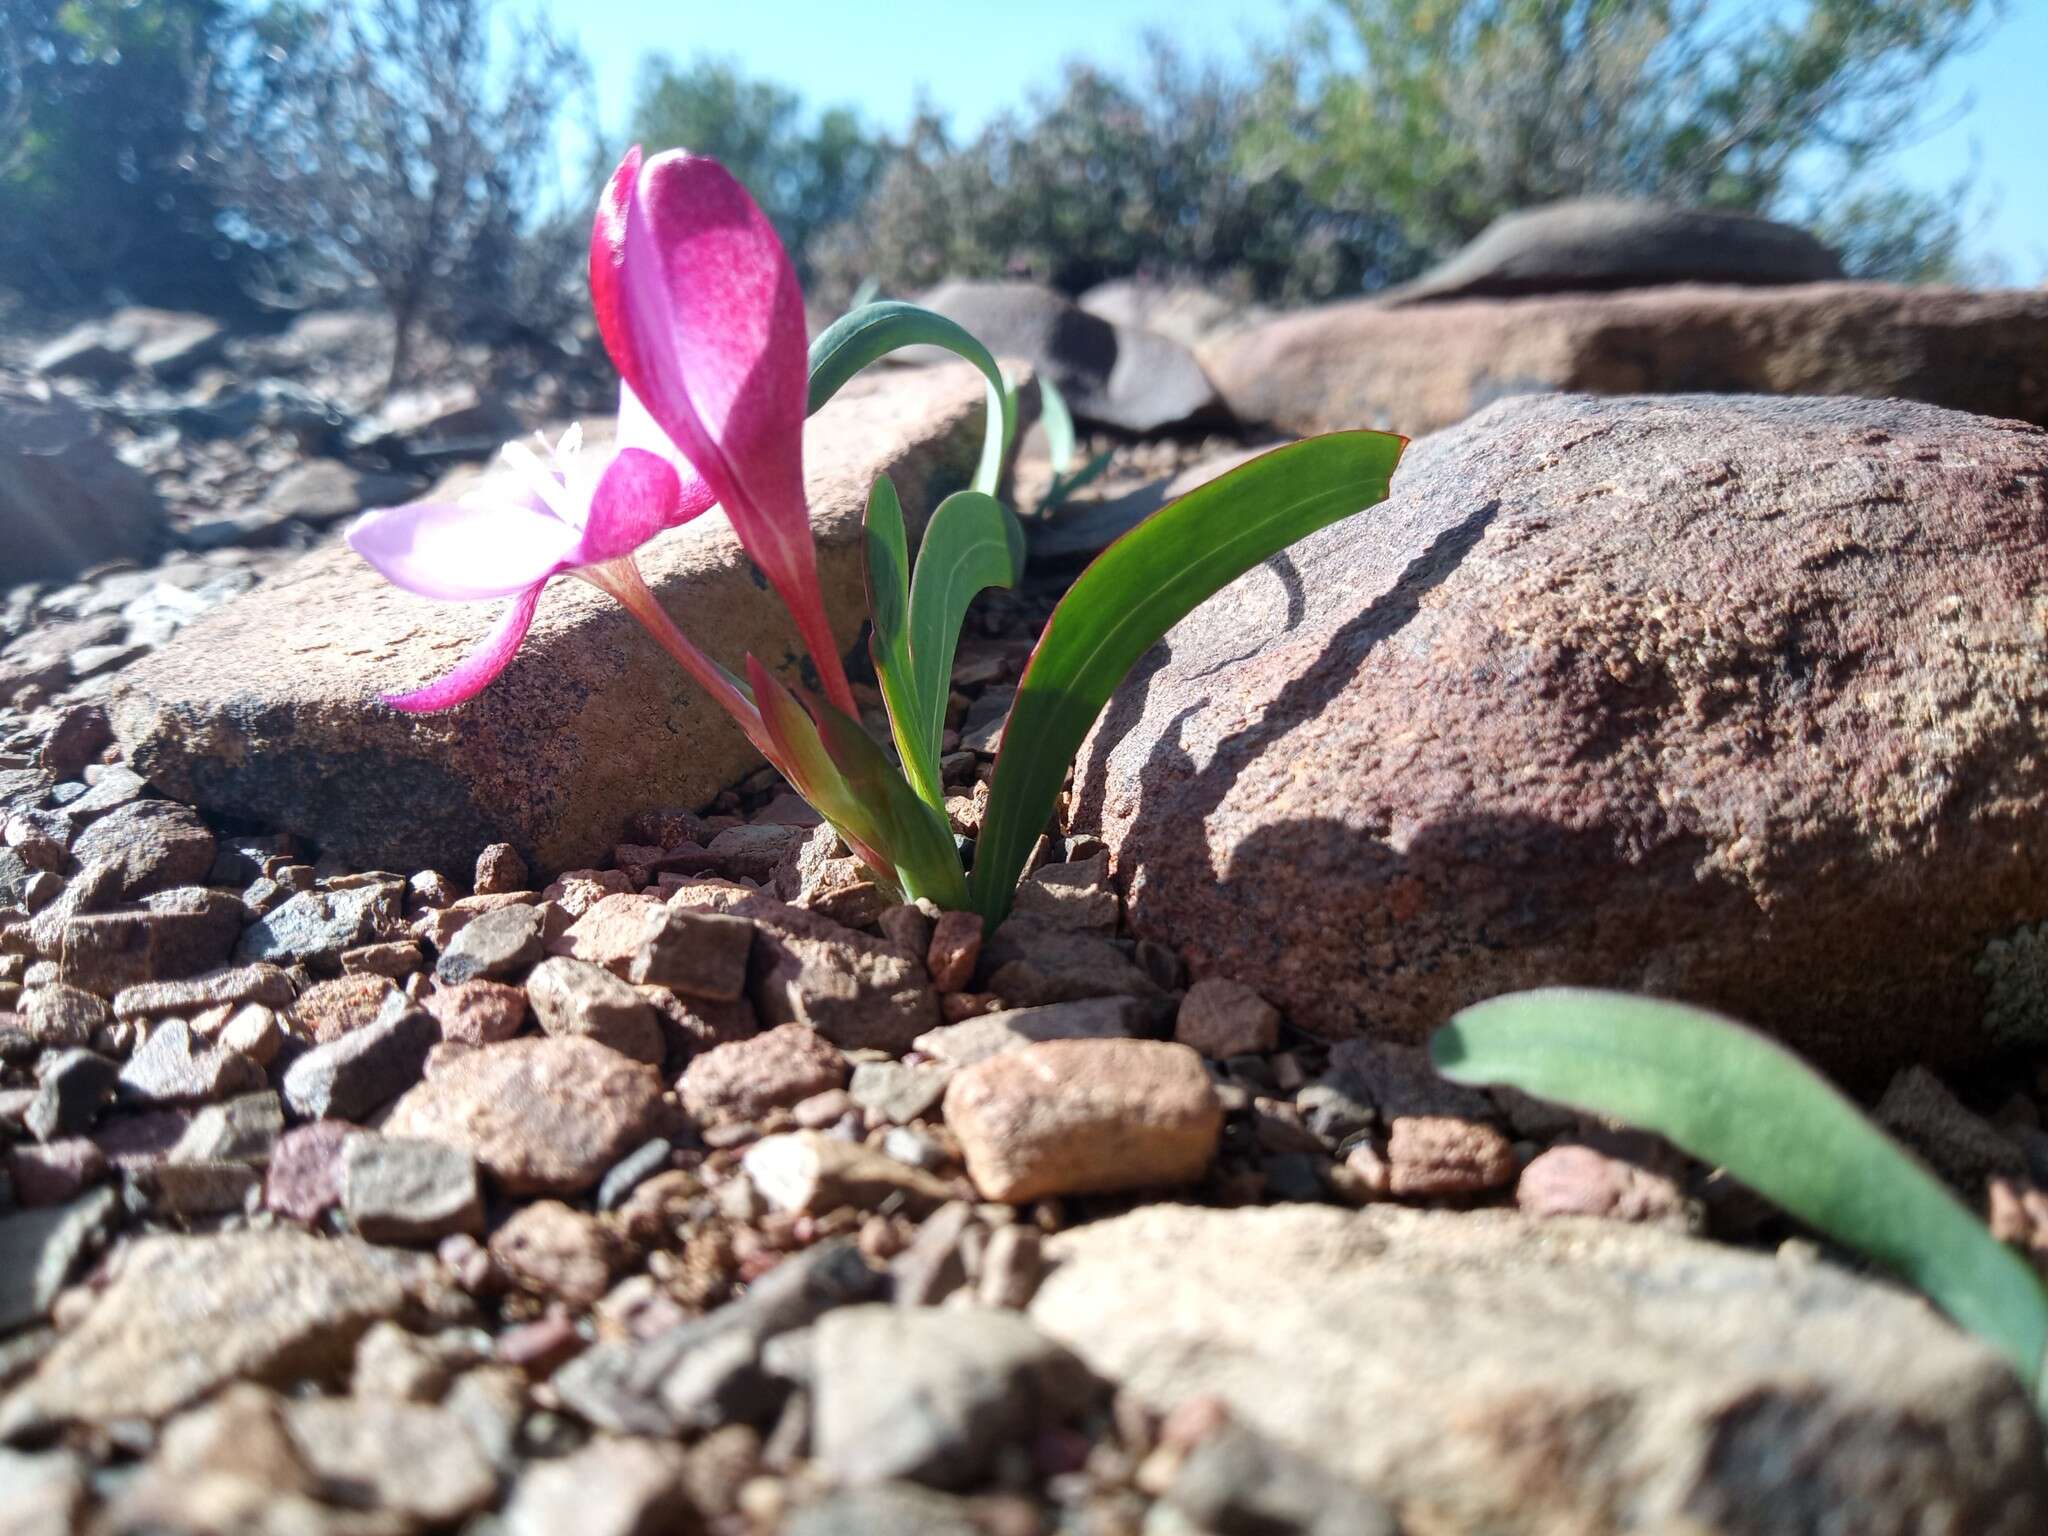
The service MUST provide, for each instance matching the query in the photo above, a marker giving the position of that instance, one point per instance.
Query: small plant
(701, 313)
(1732, 1098)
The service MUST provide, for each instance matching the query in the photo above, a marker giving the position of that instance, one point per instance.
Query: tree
(94, 203)
(806, 175)
(1106, 178)
(374, 145)
(1448, 113)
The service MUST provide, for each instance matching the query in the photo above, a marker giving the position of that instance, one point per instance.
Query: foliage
(1448, 113)
(94, 203)
(1734, 1099)
(1104, 179)
(807, 174)
(399, 145)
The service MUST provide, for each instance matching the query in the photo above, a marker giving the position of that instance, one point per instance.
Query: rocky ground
(639, 1168)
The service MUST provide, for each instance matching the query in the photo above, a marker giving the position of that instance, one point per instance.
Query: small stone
(477, 1012)
(177, 933)
(1445, 1155)
(752, 852)
(1235, 1480)
(1577, 1180)
(1084, 1116)
(1011, 1266)
(71, 1090)
(265, 984)
(327, 1010)
(1071, 895)
(63, 1018)
(990, 1034)
(745, 1079)
(545, 1115)
(393, 1361)
(148, 845)
(80, 734)
(395, 958)
(812, 1173)
(543, 1346)
(931, 1394)
(243, 1130)
(499, 869)
(895, 1092)
(1033, 962)
(553, 1250)
(581, 889)
(1223, 1018)
(431, 888)
(414, 1460)
(908, 925)
(190, 1190)
(315, 927)
(252, 1030)
(173, 1065)
(54, 1172)
(40, 1250)
(303, 1180)
(365, 1068)
(631, 1171)
(858, 992)
(493, 946)
(574, 997)
(399, 1189)
(954, 949)
(699, 954)
(934, 1266)
(612, 932)
(611, 1487)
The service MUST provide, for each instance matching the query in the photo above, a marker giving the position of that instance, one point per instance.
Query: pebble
(1084, 1116)
(477, 1012)
(1074, 895)
(71, 1090)
(395, 958)
(492, 946)
(148, 845)
(252, 1030)
(366, 1068)
(896, 1092)
(574, 997)
(1578, 1180)
(266, 984)
(1033, 962)
(858, 992)
(303, 1180)
(544, 1115)
(315, 927)
(699, 954)
(953, 950)
(243, 1130)
(909, 926)
(752, 852)
(415, 1460)
(499, 869)
(1011, 1266)
(1445, 1155)
(1223, 1018)
(812, 1172)
(327, 1010)
(745, 1079)
(610, 1487)
(40, 1250)
(612, 931)
(54, 1172)
(400, 1189)
(179, 933)
(631, 1171)
(990, 1034)
(61, 1017)
(553, 1250)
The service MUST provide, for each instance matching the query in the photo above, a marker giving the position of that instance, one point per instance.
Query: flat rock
(778, 1068)
(1486, 1372)
(573, 997)
(1010, 1029)
(1121, 376)
(541, 1116)
(1590, 243)
(1730, 700)
(1361, 364)
(148, 845)
(267, 708)
(183, 1316)
(1068, 1117)
(314, 927)
(403, 1189)
(349, 1077)
(858, 992)
(40, 1250)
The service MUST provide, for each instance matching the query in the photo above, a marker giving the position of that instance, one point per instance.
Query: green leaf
(971, 543)
(1732, 1098)
(1138, 589)
(1064, 486)
(838, 768)
(1059, 426)
(888, 579)
(860, 336)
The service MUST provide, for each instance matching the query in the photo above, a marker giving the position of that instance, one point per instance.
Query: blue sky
(974, 59)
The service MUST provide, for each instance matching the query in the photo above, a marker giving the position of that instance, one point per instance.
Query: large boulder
(1360, 364)
(66, 500)
(169, 344)
(1116, 375)
(1592, 243)
(1730, 700)
(267, 709)
(1185, 312)
(1487, 1372)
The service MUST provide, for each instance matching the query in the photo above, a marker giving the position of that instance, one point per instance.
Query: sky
(974, 59)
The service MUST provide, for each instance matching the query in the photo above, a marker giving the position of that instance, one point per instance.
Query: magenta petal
(463, 551)
(639, 429)
(481, 666)
(632, 502)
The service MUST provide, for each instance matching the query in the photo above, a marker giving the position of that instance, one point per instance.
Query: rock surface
(1360, 364)
(1486, 1373)
(66, 501)
(1589, 243)
(269, 708)
(1728, 700)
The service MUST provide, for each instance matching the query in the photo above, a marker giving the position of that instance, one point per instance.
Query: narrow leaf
(863, 335)
(971, 543)
(888, 580)
(1138, 589)
(1059, 426)
(1732, 1098)
(802, 758)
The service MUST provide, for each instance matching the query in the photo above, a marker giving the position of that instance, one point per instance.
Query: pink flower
(700, 310)
(571, 512)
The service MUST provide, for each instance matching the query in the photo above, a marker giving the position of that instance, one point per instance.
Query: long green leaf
(1138, 589)
(1732, 1098)
(1059, 426)
(860, 336)
(888, 581)
(971, 543)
